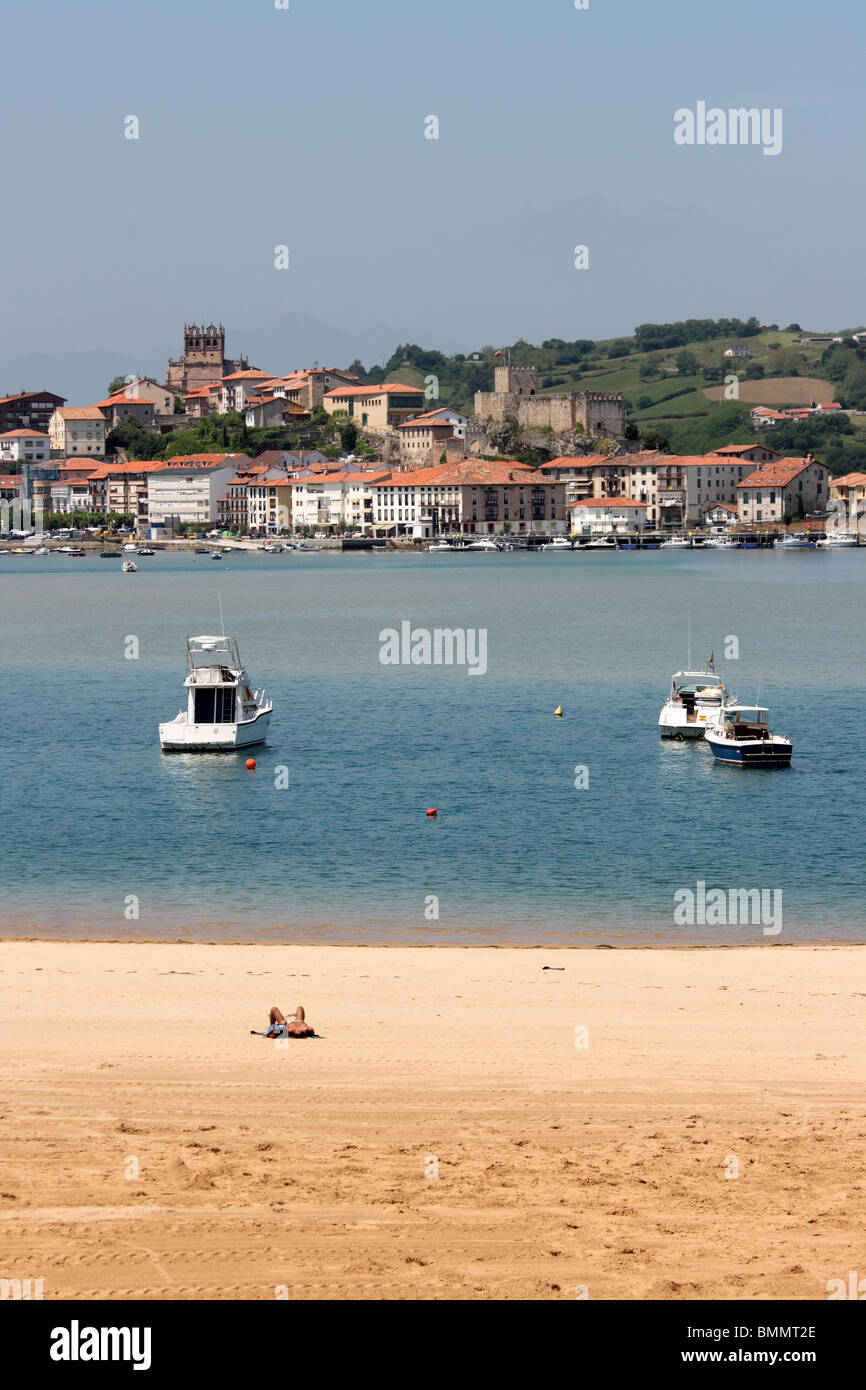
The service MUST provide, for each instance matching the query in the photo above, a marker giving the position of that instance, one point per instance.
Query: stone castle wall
(598, 412)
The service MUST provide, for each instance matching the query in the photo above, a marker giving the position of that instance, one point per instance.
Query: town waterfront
(101, 824)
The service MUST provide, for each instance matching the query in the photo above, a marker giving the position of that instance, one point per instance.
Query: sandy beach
(470, 1126)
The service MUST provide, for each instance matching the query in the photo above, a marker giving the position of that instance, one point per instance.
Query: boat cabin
(691, 688)
(217, 682)
(746, 721)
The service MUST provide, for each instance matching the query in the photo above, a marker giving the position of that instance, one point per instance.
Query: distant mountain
(298, 340)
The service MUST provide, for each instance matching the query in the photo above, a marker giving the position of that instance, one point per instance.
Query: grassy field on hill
(779, 390)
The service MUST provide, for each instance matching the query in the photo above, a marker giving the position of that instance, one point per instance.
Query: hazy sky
(306, 127)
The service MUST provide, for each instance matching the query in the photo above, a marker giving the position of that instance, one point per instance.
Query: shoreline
(806, 943)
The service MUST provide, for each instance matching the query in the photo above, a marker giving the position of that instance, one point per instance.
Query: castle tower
(515, 381)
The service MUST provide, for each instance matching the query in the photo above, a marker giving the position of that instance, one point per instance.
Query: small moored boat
(837, 540)
(744, 739)
(794, 542)
(558, 543)
(695, 704)
(223, 711)
(129, 567)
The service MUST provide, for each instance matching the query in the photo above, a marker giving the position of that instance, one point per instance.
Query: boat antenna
(222, 624)
(690, 640)
(758, 695)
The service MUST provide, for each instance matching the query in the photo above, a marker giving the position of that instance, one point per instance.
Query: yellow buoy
(558, 711)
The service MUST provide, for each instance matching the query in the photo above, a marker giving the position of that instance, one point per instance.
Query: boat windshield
(744, 714)
(212, 651)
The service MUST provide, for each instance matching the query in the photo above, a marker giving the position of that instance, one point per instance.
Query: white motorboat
(223, 711)
(130, 547)
(744, 739)
(695, 704)
(146, 550)
(676, 543)
(129, 567)
(558, 543)
(794, 542)
(600, 543)
(438, 547)
(721, 543)
(837, 540)
(483, 543)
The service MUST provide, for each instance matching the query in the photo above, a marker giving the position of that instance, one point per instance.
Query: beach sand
(446, 1138)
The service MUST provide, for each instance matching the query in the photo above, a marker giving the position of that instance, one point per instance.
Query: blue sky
(305, 127)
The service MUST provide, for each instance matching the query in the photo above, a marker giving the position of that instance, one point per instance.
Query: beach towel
(280, 1030)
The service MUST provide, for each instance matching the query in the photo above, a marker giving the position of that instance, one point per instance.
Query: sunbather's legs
(277, 1017)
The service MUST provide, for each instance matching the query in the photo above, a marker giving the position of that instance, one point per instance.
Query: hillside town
(439, 473)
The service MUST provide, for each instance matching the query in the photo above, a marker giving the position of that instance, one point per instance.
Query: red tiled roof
(849, 480)
(119, 397)
(735, 448)
(777, 473)
(29, 434)
(26, 395)
(199, 459)
(252, 374)
(387, 388)
(469, 472)
(80, 412)
(135, 466)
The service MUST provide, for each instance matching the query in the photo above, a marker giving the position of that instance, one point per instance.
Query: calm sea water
(94, 814)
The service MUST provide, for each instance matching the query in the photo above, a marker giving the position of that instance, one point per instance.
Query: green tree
(117, 383)
(654, 439)
(349, 436)
(687, 364)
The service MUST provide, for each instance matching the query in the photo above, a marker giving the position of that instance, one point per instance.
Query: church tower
(203, 360)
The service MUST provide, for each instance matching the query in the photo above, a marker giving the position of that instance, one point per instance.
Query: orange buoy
(251, 762)
(431, 811)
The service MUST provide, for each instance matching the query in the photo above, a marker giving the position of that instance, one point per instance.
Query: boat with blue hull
(744, 739)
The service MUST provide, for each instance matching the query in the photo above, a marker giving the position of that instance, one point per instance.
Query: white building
(236, 389)
(28, 446)
(603, 516)
(78, 430)
(781, 490)
(189, 492)
(323, 500)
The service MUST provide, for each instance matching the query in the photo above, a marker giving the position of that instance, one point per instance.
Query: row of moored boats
(837, 540)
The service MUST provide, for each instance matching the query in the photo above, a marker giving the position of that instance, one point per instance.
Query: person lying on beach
(296, 1027)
